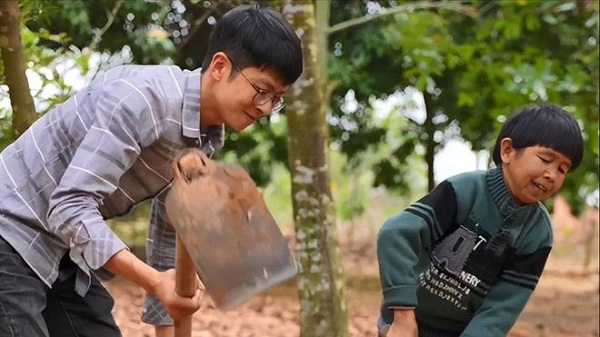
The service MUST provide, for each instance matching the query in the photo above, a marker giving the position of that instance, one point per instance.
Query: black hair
(544, 125)
(257, 37)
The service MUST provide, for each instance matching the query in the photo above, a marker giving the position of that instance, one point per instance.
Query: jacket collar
(502, 197)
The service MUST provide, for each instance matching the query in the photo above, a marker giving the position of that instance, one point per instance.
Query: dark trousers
(29, 309)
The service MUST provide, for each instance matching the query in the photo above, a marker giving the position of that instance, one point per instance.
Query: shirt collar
(190, 115)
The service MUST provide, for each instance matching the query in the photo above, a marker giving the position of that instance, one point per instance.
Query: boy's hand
(178, 307)
(404, 325)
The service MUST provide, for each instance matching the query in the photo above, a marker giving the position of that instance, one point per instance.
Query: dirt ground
(565, 303)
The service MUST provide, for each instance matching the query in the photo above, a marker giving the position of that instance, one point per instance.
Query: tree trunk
(14, 67)
(430, 143)
(320, 280)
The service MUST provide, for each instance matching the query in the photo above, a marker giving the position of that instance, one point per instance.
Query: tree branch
(410, 7)
(196, 26)
(111, 18)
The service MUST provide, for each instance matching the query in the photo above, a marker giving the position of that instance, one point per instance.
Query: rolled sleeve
(96, 243)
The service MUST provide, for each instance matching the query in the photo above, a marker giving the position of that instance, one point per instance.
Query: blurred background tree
(14, 65)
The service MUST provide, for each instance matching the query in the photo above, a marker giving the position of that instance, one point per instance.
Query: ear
(506, 150)
(220, 66)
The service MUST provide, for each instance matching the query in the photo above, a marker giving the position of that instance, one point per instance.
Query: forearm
(499, 311)
(127, 265)
(404, 325)
(506, 300)
(403, 241)
(398, 251)
(158, 284)
(404, 316)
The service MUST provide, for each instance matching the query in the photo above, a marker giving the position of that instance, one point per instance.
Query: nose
(265, 109)
(551, 174)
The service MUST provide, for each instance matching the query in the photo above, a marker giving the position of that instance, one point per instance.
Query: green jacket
(464, 255)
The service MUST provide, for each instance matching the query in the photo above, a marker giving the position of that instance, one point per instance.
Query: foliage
(531, 52)
(106, 26)
(473, 72)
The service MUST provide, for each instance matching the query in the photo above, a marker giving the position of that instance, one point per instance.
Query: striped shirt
(93, 158)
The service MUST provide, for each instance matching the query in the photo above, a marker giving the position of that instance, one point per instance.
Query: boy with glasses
(108, 148)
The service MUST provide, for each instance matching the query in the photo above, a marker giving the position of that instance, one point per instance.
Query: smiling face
(532, 173)
(228, 95)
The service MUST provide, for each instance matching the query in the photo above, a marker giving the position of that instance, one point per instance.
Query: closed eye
(562, 169)
(545, 160)
(261, 90)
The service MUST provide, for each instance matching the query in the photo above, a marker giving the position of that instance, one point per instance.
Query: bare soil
(565, 303)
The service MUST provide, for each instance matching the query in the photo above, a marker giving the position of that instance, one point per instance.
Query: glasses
(263, 96)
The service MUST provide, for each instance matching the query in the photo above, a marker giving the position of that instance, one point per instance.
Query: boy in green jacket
(465, 259)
